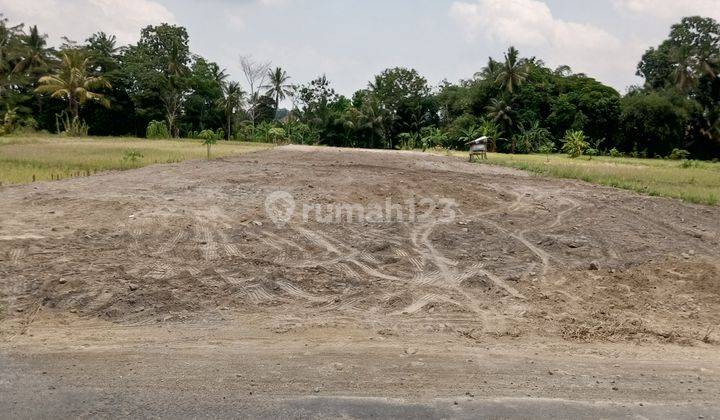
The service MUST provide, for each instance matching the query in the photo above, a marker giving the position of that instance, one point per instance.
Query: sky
(352, 40)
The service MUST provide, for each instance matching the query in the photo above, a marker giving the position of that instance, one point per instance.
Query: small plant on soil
(131, 157)
(209, 138)
(546, 149)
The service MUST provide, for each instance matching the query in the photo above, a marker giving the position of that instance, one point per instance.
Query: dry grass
(45, 158)
(692, 181)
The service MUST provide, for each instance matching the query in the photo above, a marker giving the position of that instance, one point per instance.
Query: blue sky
(351, 40)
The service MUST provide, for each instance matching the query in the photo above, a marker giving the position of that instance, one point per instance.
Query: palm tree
(374, 120)
(9, 50)
(72, 83)
(34, 56)
(219, 75)
(490, 71)
(502, 114)
(563, 70)
(233, 97)
(513, 72)
(102, 49)
(278, 87)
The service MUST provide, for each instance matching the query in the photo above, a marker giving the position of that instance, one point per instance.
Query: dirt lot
(169, 286)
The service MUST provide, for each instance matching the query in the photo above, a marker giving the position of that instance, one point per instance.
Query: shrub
(209, 138)
(679, 154)
(685, 163)
(407, 141)
(615, 153)
(157, 130)
(130, 157)
(277, 134)
(70, 127)
(574, 143)
(206, 135)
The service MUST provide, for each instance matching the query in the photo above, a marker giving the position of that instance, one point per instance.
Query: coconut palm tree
(374, 121)
(72, 83)
(102, 50)
(232, 100)
(9, 51)
(502, 114)
(513, 71)
(278, 87)
(34, 55)
(563, 70)
(490, 71)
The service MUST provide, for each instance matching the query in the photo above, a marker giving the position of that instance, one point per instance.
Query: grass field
(46, 158)
(692, 181)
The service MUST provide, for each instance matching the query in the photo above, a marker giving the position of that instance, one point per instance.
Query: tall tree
(230, 103)
(405, 97)
(255, 73)
(206, 81)
(689, 61)
(502, 113)
(513, 71)
(490, 71)
(73, 83)
(278, 86)
(34, 53)
(158, 67)
(10, 47)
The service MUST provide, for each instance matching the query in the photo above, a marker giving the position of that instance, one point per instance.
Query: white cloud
(531, 24)
(669, 10)
(236, 13)
(78, 19)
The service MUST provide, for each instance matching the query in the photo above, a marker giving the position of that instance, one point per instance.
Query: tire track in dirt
(231, 250)
(169, 246)
(297, 292)
(16, 255)
(204, 237)
(320, 241)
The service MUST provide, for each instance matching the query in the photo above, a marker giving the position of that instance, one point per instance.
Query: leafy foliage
(159, 88)
(574, 143)
(157, 130)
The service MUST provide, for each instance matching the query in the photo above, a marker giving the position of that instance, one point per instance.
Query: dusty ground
(168, 291)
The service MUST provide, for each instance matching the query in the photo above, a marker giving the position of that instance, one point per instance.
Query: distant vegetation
(158, 88)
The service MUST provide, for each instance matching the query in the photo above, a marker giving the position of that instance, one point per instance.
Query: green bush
(547, 147)
(157, 130)
(574, 143)
(130, 157)
(207, 135)
(615, 153)
(277, 134)
(209, 138)
(679, 154)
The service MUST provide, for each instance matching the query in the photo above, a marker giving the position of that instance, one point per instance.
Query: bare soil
(539, 288)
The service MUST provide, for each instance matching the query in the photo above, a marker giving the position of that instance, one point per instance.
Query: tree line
(159, 88)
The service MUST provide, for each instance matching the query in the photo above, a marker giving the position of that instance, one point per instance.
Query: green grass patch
(692, 181)
(46, 158)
